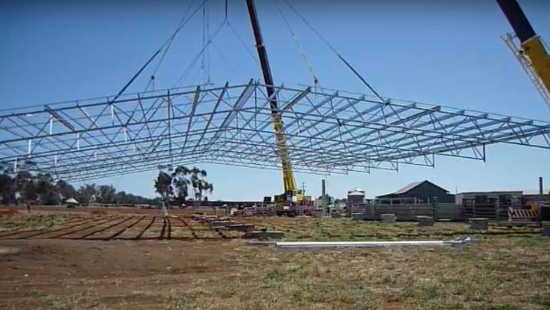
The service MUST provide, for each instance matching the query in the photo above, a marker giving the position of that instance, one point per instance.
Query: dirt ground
(498, 271)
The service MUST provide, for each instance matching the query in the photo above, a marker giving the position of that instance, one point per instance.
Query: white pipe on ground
(367, 244)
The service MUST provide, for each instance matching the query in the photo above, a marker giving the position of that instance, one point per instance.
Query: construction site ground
(132, 259)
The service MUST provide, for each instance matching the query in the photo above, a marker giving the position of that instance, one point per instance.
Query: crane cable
(302, 52)
(241, 40)
(153, 57)
(205, 68)
(335, 51)
(183, 21)
(299, 46)
(197, 57)
(310, 67)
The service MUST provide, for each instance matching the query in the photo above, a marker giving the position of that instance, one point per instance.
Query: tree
(65, 190)
(122, 196)
(28, 184)
(163, 186)
(179, 181)
(200, 186)
(44, 189)
(105, 194)
(86, 194)
(7, 184)
(181, 184)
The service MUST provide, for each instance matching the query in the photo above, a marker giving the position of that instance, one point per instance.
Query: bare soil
(499, 271)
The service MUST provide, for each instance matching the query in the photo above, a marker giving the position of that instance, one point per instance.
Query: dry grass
(498, 272)
(32, 221)
(506, 274)
(324, 229)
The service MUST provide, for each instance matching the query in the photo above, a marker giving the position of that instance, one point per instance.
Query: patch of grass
(33, 221)
(58, 303)
(76, 301)
(497, 307)
(533, 241)
(541, 299)
(490, 274)
(178, 303)
(33, 293)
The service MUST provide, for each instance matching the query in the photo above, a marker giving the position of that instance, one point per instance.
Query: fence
(409, 212)
(490, 210)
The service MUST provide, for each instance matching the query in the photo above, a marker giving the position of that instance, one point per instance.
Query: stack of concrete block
(425, 220)
(222, 223)
(241, 227)
(545, 230)
(479, 224)
(358, 216)
(388, 218)
(265, 234)
(207, 219)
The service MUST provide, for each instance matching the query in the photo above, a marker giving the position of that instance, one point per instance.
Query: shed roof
(413, 185)
(408, 187)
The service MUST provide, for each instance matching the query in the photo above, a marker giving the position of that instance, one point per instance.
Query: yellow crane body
(291, 192)
(534, 49)
(531, 43)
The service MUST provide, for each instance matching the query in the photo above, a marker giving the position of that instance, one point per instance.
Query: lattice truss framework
(326, 132)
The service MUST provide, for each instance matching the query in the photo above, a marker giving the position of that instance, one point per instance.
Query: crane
(291, 193)
(532, 53)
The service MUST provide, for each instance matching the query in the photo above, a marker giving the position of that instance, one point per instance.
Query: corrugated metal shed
(414, 185)
(422, 191)
(408, 187)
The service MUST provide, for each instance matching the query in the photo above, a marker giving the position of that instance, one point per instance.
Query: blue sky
(438, 52)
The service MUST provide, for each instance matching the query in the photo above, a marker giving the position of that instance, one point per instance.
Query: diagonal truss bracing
(326, 132)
